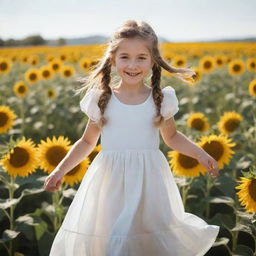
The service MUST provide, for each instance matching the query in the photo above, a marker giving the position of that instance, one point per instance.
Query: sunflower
(6, 118)
(50, 93)
(46, 72)
(22, 159)
(183, 165)
(198, 121)
(219, 61)
(5, 65)
(229, 122)
(32, 75)
(251, 64)
(33, 60)
(247, 193)
(218, 147)
(93, 63)
(49, 57)
(67, 71)
(56, 64)
(24, 58)
(252, 87)
(77, 173)
(179, 61)
(236, 67)
(63, 56)
(84, 64)
(94, 152)
(207, 64)
(194, 79)
(20, 89)
(51, 152)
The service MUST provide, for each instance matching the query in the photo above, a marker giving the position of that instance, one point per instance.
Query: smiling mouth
(132, 74)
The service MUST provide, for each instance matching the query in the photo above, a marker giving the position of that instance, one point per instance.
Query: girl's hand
(53, 180)
(210, 164)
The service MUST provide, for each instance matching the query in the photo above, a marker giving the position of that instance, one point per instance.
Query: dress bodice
(129, 127)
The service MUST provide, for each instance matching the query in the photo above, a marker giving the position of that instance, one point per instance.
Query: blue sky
(176, 20)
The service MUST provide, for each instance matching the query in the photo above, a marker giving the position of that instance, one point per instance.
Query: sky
(175, 20)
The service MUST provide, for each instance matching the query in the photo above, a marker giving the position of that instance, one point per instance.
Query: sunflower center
(46, 73)
(19, 157)
(32, 76)
(73, 171)
(254, 88)
(50, 93)
(3, 119)
(21, 89)
(85, 65)
(55, 66)
(253, 64)
(55, 154)
(187, 162)
(252, 189)
(180, 62)
(67, 73)
(219, 61)
(207, 64)
(214, 149)
(198, 124)
(3, 66)
(236, 67)
(232, 124)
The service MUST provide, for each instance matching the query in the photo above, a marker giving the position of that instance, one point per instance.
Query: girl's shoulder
(170, 103)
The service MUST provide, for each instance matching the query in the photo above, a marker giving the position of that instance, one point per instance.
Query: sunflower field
(40, 119)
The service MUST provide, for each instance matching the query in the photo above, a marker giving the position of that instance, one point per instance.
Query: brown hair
(100, 77)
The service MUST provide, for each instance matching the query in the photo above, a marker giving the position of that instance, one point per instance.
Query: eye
(142, 58)
(123, 57)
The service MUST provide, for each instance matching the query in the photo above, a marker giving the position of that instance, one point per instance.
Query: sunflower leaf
(7, 203)
(8, 235)
(220, 199)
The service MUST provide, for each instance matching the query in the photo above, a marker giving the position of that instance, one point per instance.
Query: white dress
(128, 203)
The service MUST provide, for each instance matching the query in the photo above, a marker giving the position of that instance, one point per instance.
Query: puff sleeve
(89, 104)
(170, 104)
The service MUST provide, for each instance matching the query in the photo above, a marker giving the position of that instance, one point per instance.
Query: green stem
(22, 114)
(208, 187)
(11, 196)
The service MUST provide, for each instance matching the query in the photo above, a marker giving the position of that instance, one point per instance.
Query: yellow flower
(229, 122)
(55, 64)
(179, 61)
(5, 65)
(247, 193)
(6, 119)
(20, 89)
(220, 61)
(67, 71)
(32, 75)
(51, 152)
(236, 67)
(183, 165)
(251, 64)
(198, 122)
(22, 159)
(84, 64)
(207, 64)
(218, 147)
(33, 60)
(252, 87)
(77, 173)
(51, 94)
(46, 72)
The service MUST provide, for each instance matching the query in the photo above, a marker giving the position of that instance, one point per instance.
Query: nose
(132, 64)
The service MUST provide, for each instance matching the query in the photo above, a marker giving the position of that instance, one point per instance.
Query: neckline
(132, 105)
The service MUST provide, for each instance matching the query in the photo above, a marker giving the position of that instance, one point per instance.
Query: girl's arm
(179, 142)
(78, 152)
(81, 148)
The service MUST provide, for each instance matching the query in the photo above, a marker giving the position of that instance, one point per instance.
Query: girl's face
(132, 60)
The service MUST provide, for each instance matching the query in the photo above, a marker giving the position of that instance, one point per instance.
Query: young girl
(128, 203)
